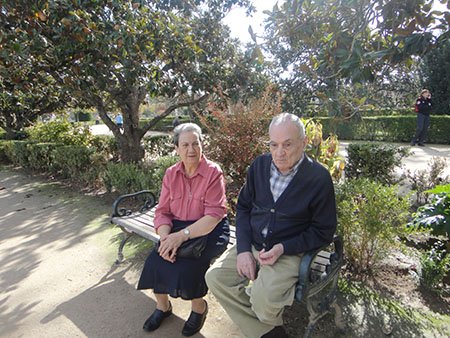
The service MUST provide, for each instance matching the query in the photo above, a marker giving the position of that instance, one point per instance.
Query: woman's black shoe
(157, 317)
(195, 322)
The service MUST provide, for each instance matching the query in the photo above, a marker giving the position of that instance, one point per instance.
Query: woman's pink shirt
(190, 198)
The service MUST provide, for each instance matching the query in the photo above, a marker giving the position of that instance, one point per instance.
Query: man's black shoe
(195, 322)
(157, 317)
(422, 144)
(276, 332)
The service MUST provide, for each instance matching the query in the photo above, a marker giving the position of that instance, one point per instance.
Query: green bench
(318, 271)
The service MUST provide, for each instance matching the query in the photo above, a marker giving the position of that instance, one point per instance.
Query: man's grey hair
(291, 118)
(186, 127)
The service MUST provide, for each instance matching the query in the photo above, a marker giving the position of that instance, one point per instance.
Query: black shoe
(422, 144)
(157, 317)
(413, 144)
(195, 322)
(276, 332)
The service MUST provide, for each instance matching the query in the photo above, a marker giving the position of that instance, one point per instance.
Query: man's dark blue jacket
(303, 218)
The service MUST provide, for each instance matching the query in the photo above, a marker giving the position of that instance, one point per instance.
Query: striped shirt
(278, 181)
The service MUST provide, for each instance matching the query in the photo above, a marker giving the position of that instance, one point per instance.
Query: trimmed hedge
(386, 128)
(376, 162)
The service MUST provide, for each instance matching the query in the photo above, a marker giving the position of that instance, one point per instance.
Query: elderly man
(285, 208)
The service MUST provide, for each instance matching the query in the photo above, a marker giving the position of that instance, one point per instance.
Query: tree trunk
(130, 147)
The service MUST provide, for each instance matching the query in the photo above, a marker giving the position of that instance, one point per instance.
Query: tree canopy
(435, 73)
(114, 54)
(320, 44)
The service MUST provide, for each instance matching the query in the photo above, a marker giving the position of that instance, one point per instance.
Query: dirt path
(57, 271)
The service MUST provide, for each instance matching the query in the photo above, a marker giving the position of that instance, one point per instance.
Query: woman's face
(426, 95)
(189, 148)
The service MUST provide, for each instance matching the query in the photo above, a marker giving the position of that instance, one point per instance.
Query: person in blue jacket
(119, 121)
(285, 208)
(423, 108)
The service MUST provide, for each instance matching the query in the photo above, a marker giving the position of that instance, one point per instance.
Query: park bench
(318, 271)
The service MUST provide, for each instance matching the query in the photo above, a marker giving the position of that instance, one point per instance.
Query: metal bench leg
(315, 313)
(126, 237)
(338, 318)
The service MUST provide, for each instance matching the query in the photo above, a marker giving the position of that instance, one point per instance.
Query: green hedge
(18, 152)
(386, 128)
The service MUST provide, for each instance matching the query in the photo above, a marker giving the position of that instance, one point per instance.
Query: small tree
(370, 216)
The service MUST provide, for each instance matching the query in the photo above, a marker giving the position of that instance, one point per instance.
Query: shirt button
(272, 210)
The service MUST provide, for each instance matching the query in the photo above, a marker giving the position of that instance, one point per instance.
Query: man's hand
(246, 265)
(271, 256)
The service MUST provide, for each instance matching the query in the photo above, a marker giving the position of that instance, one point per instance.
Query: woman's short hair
(186, 127)
(288, 117)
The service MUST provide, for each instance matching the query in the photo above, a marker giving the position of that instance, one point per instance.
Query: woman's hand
(169, 244)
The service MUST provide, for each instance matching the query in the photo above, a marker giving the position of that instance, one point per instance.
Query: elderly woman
(192, 204)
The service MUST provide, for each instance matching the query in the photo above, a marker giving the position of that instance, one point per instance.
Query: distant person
(176, 121)
(192, 204)
(423, 108)
(119, 120)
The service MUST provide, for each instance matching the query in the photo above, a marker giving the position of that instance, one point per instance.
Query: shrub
(41, 156)
(436, 214)
(370, 217)
(72, 161)
(374, 161)
(238, 134)
(386, 128)
(423, 180)
(126, 178)
(84, 116)
(18, 152)
(4, 152)
(324, 151)
(60, 132)
(157, 145)
(435, 264)
(106, 145)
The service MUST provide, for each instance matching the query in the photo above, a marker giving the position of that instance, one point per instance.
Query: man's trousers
(258, 309)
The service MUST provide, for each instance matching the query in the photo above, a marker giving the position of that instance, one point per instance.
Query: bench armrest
(309, 282)
(139, 201)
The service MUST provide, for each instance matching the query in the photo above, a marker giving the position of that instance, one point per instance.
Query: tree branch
(169, 110)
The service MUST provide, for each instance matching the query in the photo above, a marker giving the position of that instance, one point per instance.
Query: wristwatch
(187, 232)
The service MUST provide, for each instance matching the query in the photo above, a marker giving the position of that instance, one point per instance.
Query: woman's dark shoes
(195, 322)
(157, 317)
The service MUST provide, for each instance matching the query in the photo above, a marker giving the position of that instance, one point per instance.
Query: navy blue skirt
(186, 277)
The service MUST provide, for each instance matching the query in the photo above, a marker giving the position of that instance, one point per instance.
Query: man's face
(286, 146)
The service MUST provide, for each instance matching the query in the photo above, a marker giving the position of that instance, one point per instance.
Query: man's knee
(266, 311)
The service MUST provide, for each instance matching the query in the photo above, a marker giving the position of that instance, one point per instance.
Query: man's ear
(305, 141)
